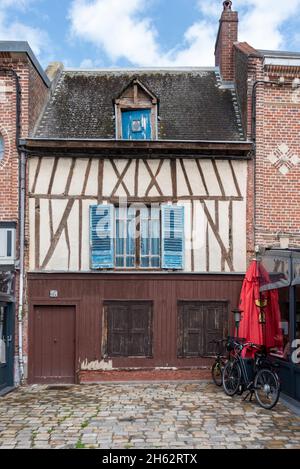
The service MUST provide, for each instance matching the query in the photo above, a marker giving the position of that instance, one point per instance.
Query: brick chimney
(227, 36)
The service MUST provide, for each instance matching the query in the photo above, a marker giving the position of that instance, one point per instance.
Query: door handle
(55, 341)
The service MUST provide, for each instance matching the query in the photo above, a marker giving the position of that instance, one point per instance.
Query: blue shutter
(101, 236)
(172, 237)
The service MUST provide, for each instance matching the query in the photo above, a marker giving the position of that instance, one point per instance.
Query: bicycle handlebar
(251, 344)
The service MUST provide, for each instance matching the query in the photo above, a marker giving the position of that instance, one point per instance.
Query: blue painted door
(136, 125)
(6, 346)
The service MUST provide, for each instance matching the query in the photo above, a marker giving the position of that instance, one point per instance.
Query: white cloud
(18, 31)
(117, 27)
(123, 30)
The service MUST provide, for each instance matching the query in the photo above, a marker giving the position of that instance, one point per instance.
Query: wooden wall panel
(89, 291)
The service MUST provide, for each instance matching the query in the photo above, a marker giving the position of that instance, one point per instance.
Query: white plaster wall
(59, 260)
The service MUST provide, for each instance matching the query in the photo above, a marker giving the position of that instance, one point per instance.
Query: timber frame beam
(138, 149)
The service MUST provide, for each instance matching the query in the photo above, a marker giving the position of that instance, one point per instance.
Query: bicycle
(262, 380)
(219, 364)
(221, 360)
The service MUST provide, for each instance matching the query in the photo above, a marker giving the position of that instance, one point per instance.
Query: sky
(143, 33)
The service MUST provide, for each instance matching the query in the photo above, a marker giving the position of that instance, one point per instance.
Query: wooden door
(6, 346)
(53, 347)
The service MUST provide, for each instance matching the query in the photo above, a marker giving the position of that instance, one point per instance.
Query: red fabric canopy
(251, 327)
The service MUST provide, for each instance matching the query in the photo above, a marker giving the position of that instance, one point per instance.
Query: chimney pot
(227, 5)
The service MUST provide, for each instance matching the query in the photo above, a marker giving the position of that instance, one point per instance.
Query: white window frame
(5, 258)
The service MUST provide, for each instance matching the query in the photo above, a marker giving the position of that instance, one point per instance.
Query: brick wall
(273, 213)
(34, 94)
(277, 164)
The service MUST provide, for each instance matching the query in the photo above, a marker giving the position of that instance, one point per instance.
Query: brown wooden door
(53, 347)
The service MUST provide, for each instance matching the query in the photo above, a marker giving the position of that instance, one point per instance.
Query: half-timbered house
(137, 220)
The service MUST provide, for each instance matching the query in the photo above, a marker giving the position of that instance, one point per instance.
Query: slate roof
(192, 105)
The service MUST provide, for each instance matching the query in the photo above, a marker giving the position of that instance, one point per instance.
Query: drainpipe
(22, 186)
(22, 261)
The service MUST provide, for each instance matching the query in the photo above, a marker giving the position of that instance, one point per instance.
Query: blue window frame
(137, 243)
(136, 124)
(137, 237)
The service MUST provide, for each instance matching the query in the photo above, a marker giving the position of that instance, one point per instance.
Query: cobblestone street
(141, 416)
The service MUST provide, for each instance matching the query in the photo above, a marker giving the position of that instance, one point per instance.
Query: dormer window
(136, 113)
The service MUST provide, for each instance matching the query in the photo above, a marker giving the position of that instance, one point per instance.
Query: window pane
(145, 242)
(298, 312)
(282, 340)
(155, 262)
(155, 246)
(1, 148)
(130, 262)
(145, 262)
(119, 261)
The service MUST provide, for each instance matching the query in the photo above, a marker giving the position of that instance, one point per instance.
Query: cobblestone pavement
(141, 416)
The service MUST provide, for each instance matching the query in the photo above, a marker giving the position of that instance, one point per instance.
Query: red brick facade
(34, 93)
(277, 164)
(227, 36)
(273, 124)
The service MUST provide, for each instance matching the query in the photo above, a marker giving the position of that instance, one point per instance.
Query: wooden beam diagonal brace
(153, 177)
(226, 255)
(62, 226)
(120, 177)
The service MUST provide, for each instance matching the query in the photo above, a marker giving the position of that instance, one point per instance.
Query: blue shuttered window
(172, 237)
(102, 236)
(161, 240)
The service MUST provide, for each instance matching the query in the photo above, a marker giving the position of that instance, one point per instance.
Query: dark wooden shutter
(129, 329)
(215, 325)
(199, 323)
(118, 329)
(191, 329)
(140, 330)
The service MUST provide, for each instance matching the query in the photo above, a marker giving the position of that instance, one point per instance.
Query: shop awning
(283, 267)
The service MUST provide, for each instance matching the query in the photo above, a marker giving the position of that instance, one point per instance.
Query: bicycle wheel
(216, 373)
(266, 388)
(231, 378)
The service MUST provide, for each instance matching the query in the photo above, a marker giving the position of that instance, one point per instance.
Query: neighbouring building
(23, 91)
(149, 191)
(268, 88)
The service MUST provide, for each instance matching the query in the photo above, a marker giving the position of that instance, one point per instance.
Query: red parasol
(261, 316)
